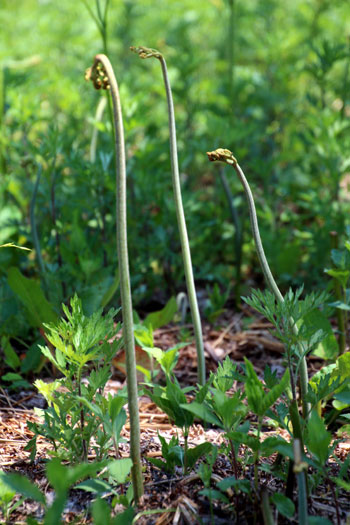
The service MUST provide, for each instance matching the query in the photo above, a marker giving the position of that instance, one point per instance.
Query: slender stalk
(335, 499)
(225, 155)
(185, 450)
(266, 510)
(145, 52)
(35, 231)
(102, 76)
(299, 469)
(54, 221)
(82, 418)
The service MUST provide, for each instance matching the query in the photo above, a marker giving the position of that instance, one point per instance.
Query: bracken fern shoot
(145, 52)
(102, 76)
(225, 155)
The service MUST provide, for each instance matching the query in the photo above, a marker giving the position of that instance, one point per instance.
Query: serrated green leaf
(271, 397)
(253, 388)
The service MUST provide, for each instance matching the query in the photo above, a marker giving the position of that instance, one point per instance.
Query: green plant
(63, 478)
(7, 494)
(171, 398)
(76, 409)
(172, 454)
(226, 156)
(145, 52)
(215, 303)
(102, 76)
(219, 407)
(205, 471)
(299, 469)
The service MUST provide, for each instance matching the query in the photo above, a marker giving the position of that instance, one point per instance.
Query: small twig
(6, 397)
(228, 328)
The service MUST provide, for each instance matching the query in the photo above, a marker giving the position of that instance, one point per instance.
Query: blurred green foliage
(283, 110)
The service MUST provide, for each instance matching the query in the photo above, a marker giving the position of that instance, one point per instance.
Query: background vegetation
(284, 112)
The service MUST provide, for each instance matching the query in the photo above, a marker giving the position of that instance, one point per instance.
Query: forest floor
(177, 493)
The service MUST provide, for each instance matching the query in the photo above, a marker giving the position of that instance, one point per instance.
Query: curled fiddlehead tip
(98, 76)
(222, 155)
(146, 52)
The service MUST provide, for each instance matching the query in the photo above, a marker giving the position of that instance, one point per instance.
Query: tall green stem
(102, 75)
(82, 417)
(145, 52)
(225, 155)
(35, 231)
(299, 469)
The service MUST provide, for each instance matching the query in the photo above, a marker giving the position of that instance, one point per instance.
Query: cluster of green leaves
(271, 401)
(107, 476)
(81, 419)
(78, 411)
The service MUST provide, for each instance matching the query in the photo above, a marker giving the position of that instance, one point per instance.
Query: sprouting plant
(102, 76)
(171, 398)
(216, 302)
(7, 498)
(225, 155)
(220, 408)
(172, 454)
(77, 409)
(205, 471)
(145, 52)
(62, 479)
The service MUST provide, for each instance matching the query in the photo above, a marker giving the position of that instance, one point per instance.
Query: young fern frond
(145, 52)
(102, 76)
(226, 156)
